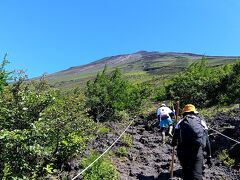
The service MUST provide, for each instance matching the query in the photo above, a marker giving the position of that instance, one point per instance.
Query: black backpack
(192, 132)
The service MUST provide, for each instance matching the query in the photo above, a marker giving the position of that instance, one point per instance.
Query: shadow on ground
(162, 176)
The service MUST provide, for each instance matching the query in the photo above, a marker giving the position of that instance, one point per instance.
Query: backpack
(164, 113)
(192, 132)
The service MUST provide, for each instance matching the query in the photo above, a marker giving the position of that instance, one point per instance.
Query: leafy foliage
(110, 94)
(122, 151)
(230, 85)
(39, 128)
(199, 84)
(224, 157)
(102, 169)
(160, 93)
(4, 74)
(103, 130)
(127, 140)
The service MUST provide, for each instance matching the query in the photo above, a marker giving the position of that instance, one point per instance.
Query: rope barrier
(104, 151)
(224, 135)
(90, 165)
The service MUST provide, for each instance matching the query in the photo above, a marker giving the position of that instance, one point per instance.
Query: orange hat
(189, 108)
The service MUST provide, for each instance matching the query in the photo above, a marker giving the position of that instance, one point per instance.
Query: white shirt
(163, 110)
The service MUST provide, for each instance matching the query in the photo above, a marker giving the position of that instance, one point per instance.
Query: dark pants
(191, 160)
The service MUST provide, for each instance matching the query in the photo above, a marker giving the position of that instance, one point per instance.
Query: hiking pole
(173, 151)
(172, 163)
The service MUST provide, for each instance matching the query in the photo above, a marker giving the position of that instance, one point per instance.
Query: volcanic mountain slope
(143, 62)
(149, 159)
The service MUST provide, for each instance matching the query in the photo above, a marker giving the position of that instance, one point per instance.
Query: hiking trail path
(150, 159)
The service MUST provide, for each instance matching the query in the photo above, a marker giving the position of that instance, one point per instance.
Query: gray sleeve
(208, 145)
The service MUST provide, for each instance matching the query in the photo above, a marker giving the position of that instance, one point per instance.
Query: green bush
(230, 85)
(122, 151)
(40, 129)
(110, 94)
(224, 157)
(103, 130)
(4, 74)
(160, 93)
(102, 169)
(127, 140)
(199, 84)
(122, 115)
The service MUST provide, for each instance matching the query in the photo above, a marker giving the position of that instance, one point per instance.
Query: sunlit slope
(139, 66)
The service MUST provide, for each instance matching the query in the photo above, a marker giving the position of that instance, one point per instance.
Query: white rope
(224, 135)
(103, 152)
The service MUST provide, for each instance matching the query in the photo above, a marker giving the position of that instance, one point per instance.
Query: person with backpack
(191, 137)
(164, 116)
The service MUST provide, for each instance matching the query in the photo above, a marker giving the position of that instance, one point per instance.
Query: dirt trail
(149, 159)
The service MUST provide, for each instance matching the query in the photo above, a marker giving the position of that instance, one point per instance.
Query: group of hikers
(190, 136)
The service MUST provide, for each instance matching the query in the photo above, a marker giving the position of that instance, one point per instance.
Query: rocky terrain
(228, 124)
(149, 158)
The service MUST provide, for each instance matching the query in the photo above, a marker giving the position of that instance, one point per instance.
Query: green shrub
(127, 140)
(230, 85)
(224, 157)
(103, 130)
(199, 84)
(122, 151)
(108, 95)
(160, 94)
(4, 74)
(40, 129)
(102, 169)
(122, 115)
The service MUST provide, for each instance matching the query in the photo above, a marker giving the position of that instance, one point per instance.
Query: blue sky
(52, 35)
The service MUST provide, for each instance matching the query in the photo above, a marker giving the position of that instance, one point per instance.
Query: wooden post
(173, 151)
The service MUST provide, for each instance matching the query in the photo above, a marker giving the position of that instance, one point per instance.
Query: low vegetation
(122, 151)
(40, 129)
(102, 169)
(205, 86)
(224, 157)
(108, 95)
(103, 130)
(4, 74)
(127, 140)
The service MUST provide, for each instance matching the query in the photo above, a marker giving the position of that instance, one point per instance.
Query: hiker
(164, 116)
(191, 137)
